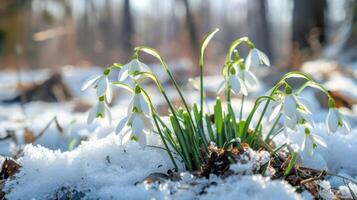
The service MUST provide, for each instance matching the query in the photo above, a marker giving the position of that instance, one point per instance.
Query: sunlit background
(52, 33)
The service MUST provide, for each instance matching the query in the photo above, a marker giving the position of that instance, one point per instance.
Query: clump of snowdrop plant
(191, 129)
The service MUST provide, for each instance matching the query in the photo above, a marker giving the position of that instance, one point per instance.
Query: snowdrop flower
(310, 142)
(100, 110)
(334, 118)
(101, 84)
(256, 58)
(294, 109)
(138, 120)
(234, 83)
(247, 78)
(130, 69)
(140, 124)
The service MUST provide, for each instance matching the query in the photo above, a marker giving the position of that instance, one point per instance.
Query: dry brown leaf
(9, 168)
(29, 136)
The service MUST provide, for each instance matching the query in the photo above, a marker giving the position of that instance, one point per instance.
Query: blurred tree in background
(53, 33)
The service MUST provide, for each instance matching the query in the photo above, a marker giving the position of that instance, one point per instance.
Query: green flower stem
(156, 54)
(273, 127)
(164, 142)
(228, 94)
(261, 117)
(314, 85)
(276, 87)
(174, 114)
(252, 112)
(201, 93)
(154, 116)
(241, 109)
(205, 42)
(291, 164)
(180, 131)
(235, 44)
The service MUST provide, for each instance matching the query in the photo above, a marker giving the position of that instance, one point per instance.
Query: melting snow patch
(104, 169)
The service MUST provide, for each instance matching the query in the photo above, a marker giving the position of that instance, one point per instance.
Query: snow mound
(96, 165)
(104, 169)
(215, 188)
(251, 187)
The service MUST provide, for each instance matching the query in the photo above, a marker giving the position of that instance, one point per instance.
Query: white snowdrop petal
(264, 58)
(235, 84)
(304, 103)
(100, 108)
(251, 79)
(290, 122)
(244, 90)
(90, 82)
(126, 137)
(289, 106)
(346, 124)
(142, 140)
(109, 93)
(144, 67)
(101, 86)
(136, 101)
(332, 120)
(303, 143)
(255, 58)
(134, 66)
(248, 61)
(319, 140)
(304, 116)
(276, 111)
(137, 125)
(123, 73)
(130, 106)
(108, 114)
(121, 124)
(92, 114)
(148, 123)
(309, 146)
(144, 105)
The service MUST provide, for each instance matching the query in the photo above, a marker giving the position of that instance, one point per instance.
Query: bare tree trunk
(258, 25)
(191, 28)
(127, 26)
(308, 16)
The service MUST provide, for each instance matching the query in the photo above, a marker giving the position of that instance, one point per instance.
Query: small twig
(351, 191)
(54, 119)
(329, 173)
(323, 172)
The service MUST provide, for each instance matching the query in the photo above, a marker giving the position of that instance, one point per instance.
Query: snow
(105, 169)
(97, 165)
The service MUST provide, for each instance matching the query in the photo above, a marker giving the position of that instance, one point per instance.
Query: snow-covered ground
(102, 168)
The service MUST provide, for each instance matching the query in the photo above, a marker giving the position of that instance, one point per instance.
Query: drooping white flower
(294, 110)
(140, 103)
(310, 142)
(248, 78)
(139, 125)
(334, 120)
(289, 105)
(138, 121)
(234, 84)
(100, 110)
(255, 58)
(101, 84)
(130, 69)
